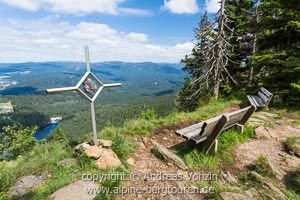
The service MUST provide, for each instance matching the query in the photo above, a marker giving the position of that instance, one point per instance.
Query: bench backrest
(209, 125)
(213, 127)
(240, 116)
(265, 95)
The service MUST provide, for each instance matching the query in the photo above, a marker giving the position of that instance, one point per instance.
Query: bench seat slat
(191, 134)
(191, 128)
(197, 139)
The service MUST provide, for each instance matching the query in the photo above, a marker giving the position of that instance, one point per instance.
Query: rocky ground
(154, 176)
(271, 131)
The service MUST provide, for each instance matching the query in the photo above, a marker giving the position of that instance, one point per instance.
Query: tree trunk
(216, 89)
(218, 66)
(254, 44)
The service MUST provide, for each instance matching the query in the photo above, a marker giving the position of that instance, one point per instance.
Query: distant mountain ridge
(32, 77)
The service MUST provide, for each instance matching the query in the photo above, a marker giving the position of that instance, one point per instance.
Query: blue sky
(123, 30)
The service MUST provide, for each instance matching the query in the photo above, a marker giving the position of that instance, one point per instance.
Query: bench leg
(216, 145)
(239, 127)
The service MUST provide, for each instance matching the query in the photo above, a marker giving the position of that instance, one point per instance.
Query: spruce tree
(195, 66)
(207, 65)
(277, 63)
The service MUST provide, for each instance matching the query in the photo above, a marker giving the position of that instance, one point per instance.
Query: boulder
(105, 143)
(233, 196)
(108, 159)
(94, 152)
(76, 191)
(68, 162)
(27, 183)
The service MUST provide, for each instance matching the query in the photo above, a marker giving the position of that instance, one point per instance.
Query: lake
(45, 132)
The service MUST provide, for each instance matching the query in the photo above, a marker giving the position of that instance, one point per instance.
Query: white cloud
(135, 11)
(212, 6)
(181, 6)
(50, 39)
(76, 6)
(85, 30)
(31, 5)
(140, 37)
(184, 46)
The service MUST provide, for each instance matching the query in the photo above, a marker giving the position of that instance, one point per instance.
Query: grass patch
(217, 189)
(263, 167)
(294, 181)
(42, 159)
(228, 139)
(292, 143)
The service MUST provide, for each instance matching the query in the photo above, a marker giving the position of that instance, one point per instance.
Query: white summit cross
(89, 87)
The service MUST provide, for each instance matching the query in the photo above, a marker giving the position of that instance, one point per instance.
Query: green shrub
(16, 140)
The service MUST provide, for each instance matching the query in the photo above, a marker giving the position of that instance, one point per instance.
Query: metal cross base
(87, 85)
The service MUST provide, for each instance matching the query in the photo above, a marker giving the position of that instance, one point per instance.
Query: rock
(227, 177)
(94, 152)
(266, 114)
(269, 186)
(252, 192)
(168, 155)
(142, 145)
(130, 161)
(27, 183)
(76, 191)
(165, 138)
(260, 117)
(82, 146)
(68, 162)
(255, 122)
(233, 196)
(108, 159)
(265, 133)
(105, 143)
(276, 169)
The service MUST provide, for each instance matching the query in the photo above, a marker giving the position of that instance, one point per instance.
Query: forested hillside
(249, 44)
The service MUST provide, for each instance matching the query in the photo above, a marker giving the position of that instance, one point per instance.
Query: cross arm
(64, 89)
(112, 85)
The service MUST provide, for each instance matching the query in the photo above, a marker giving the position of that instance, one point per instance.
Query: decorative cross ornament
(89, 87)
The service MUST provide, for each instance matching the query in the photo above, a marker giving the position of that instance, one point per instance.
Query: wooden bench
(205, 134)
(262, 99)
